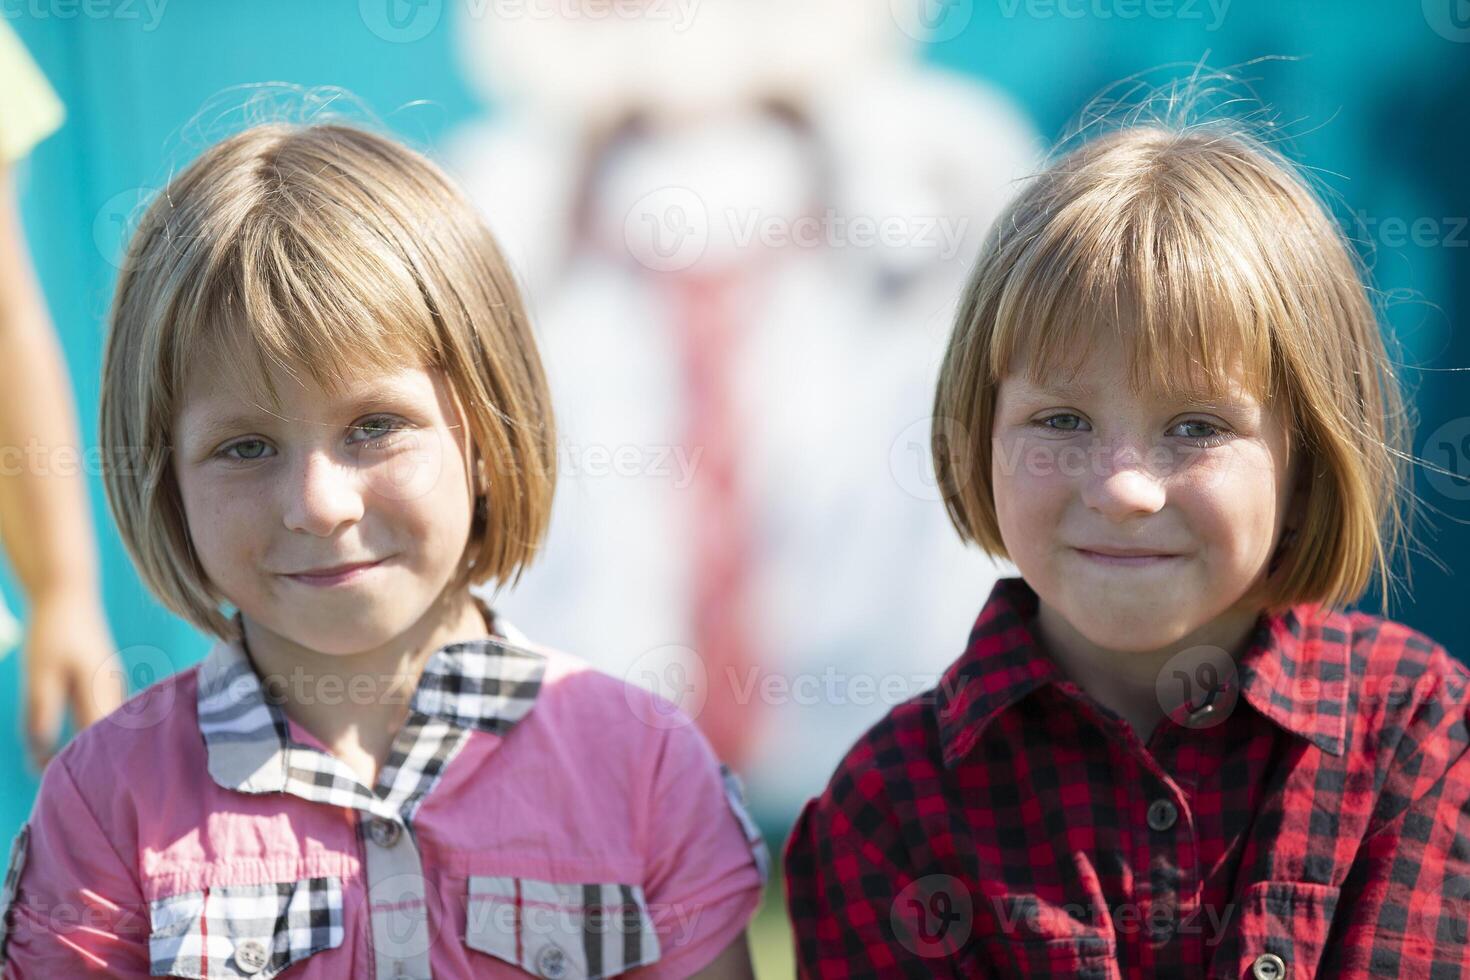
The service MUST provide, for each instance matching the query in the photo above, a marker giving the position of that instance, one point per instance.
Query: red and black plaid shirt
(1006, 824)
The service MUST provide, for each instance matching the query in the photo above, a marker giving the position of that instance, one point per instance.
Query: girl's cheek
(414, 468)
(1037, 463)
(1209, 472)
(1040, 462)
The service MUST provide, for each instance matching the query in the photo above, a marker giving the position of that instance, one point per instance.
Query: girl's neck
(356, 703)
(1126, 681)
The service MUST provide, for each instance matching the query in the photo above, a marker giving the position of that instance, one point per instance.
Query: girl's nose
(322, 495)
(1125, 483)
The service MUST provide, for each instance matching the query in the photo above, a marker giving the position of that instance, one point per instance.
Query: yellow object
(29, 112)
(29, 108)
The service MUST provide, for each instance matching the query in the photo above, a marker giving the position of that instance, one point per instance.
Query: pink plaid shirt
(535, 815)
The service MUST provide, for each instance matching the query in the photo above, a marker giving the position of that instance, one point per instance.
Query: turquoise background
(1378, 96)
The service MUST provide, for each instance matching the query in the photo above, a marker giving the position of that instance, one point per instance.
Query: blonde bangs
(1184, 337)
(1184, 307)
(277, 298)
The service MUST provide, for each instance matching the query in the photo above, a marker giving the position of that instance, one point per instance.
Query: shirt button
(552, 963)
(1198, 715)
(251, 955)
(384, 833)
(1162, 814)
(1268, 966)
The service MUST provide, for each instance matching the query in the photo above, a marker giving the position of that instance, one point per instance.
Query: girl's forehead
(1109, 375)
(216, 394)
(270, 361)
(1230, 391)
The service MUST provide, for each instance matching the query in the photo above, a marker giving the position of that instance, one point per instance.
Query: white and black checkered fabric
(17, 861)
(472, 685)
(486, 684)
(250, 931)
(560, 929)
(735, 795)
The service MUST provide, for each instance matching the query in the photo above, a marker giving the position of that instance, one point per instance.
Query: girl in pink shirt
(323, 408)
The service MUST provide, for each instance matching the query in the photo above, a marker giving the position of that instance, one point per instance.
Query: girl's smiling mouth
(1127, 561)
(336, 575)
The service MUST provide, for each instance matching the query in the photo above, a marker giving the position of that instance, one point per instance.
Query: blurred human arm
(733, 963)
(45, 525)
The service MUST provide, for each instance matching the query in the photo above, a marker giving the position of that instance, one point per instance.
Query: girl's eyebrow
(1063, 388)
(214, 425)
(383, 396)
(1068, 390)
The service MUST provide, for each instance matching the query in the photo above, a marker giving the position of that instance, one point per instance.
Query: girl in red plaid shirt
(1168, 748)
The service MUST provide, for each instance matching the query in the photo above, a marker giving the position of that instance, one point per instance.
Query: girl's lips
(338, 578)
(1131, 561)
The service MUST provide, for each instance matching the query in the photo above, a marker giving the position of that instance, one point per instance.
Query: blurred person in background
(45, 526)
(742, 225)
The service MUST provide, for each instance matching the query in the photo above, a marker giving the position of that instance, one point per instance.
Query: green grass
(770, 933)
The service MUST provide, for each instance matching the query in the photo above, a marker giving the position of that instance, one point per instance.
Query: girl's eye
(379, 428)
(378, 432)
(228, 451)
(1053, 418)
(1220, 435)
(1217, 437)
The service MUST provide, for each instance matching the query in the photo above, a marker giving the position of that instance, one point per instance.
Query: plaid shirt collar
(1301, 650)
(486, 685)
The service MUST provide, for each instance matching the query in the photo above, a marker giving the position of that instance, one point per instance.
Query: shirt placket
(396, 885)
(396, 897)
(1156, 923)
(1173, 917)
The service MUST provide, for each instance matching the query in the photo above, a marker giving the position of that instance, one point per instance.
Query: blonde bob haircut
(326, 247)
(1203, 252)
